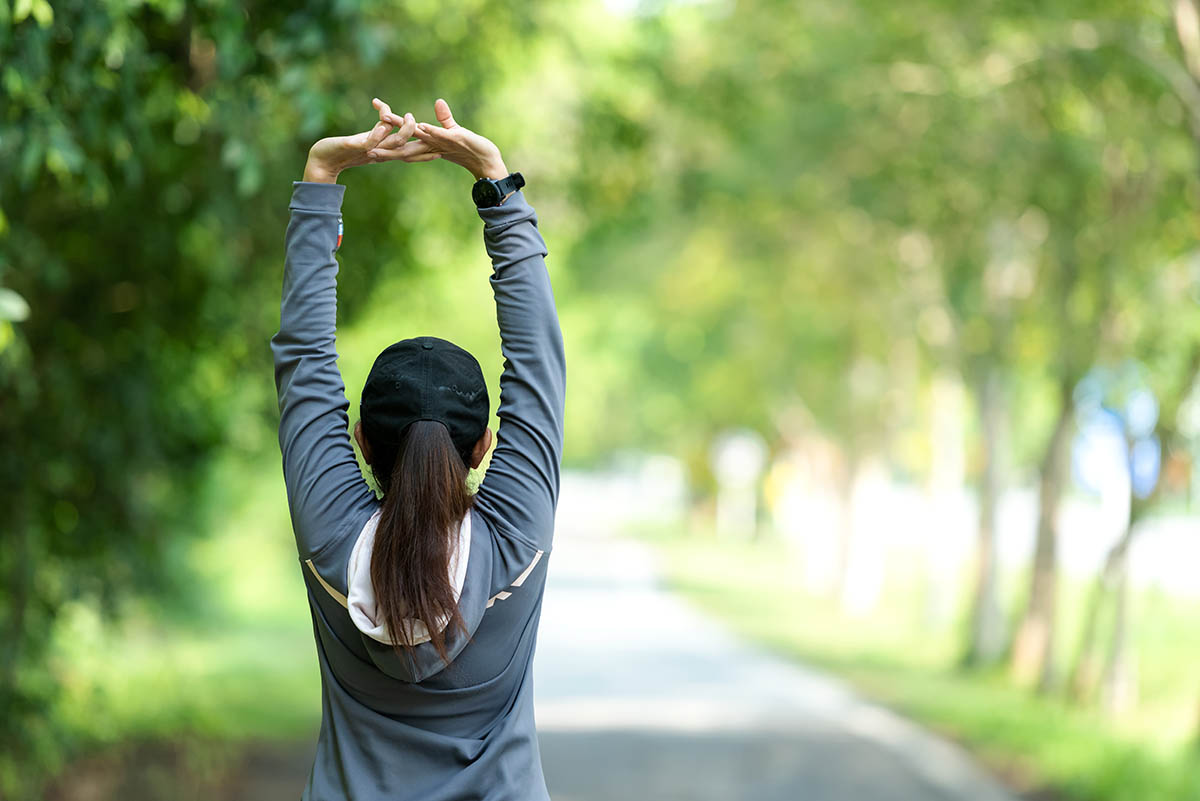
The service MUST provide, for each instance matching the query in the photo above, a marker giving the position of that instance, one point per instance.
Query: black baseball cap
(425, 378)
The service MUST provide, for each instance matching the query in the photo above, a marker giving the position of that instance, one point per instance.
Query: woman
(425, 605)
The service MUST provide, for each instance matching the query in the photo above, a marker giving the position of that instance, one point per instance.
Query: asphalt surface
(639, 696)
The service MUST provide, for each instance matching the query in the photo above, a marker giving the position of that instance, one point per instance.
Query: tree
(148, 152)
(1105, 223)
(1173, 351)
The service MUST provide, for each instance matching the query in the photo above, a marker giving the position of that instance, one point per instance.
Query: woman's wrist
(493, 169)
(319, 173)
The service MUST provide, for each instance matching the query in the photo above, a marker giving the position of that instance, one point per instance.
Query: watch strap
(510, 183)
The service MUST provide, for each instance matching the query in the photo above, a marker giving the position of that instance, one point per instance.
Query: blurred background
(883, 324)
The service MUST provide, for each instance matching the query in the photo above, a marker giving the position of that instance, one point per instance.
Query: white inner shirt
(360, 599)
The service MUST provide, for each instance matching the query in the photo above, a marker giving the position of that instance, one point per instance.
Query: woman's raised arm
(521, 486)
(324, 484)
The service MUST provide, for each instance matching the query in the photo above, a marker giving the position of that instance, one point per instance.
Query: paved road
(640, 697)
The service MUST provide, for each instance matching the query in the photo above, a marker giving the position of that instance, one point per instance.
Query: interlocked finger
(385, 111)
(394, 140)
(406, 151)
(369, 139)
(422, 157)
(432, 133)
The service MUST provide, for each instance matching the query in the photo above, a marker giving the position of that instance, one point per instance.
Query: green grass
(238, 664)
(897, 658)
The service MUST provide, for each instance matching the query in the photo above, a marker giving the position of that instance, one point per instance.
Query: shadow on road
(784, 766)
(579, 766)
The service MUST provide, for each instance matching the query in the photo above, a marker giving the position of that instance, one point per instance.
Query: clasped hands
(402, 138)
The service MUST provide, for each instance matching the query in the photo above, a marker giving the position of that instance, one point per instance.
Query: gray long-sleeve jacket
(413, 728)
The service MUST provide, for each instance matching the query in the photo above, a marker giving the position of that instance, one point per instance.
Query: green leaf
(42, 12)
(12, 306)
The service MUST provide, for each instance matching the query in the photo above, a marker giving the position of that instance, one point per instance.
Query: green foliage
(148, 151)
(1036, 743)
(759, 214)
(818, 206)
(239, 668)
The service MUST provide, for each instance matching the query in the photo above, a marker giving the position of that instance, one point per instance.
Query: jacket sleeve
(325, 488)
(521, 484)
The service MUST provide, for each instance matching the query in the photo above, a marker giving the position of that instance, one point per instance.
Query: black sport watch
(488, 192)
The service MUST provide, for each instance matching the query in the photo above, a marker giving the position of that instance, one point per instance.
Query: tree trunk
(15, 606)
(847, 478)
(985, 642)
(1033, 651)
(1086, 673)
(1119, 685)
(947, 470)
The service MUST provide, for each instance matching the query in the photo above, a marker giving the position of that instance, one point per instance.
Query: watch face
(485, 193)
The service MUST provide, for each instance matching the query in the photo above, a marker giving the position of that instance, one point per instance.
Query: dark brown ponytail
(424, 500)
